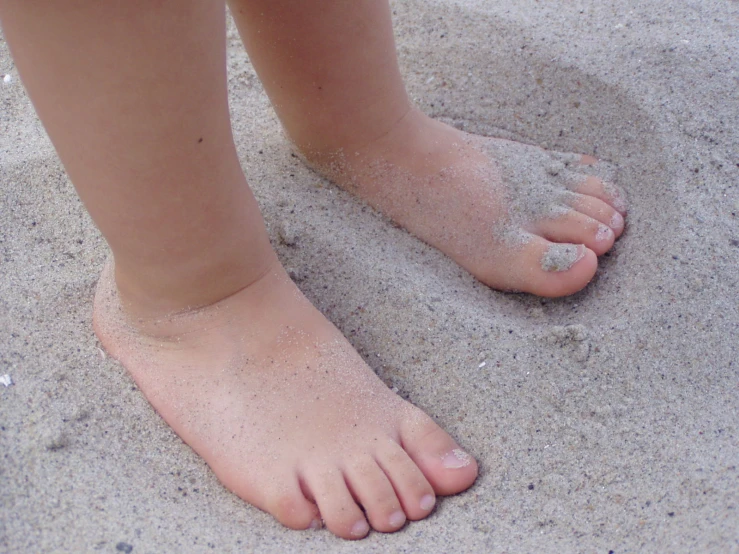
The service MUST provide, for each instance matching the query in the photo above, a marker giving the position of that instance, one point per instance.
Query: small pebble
(537, 311)
(6, 380)
(578, 332)
(295, 274)
(55, 439)
(582, 351)
(8, 78)
(124, 547)
(568, 333)
(555, 168)
(287, 234)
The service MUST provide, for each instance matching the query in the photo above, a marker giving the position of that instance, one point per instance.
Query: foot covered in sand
(284, 411)
(517, 217)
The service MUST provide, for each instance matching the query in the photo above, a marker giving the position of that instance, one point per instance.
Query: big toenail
(604, 233)
(397, 519)
(456, 459)
(617, 221)
(427, 502)
(561, 257)
(360, 529)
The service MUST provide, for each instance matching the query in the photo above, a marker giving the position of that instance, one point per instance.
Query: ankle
(414, 138)
(322, 140)
(149, 293)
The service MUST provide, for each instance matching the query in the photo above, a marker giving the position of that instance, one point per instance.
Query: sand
(606, 421)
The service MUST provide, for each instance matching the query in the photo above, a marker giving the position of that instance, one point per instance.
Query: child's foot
(516, 216)
(284, 411)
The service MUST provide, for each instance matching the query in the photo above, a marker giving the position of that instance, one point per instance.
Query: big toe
(446, 466)
(541, 267)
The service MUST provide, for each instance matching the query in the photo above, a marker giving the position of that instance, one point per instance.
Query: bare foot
(516, 216)
(284, 411)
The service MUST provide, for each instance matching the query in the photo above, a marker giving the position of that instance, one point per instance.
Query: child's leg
(133, 95)
(515, 216)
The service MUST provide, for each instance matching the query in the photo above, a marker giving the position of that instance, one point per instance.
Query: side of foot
(284, 411)
(516, 216)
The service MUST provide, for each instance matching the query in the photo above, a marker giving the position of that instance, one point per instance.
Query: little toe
(413, 489)
(577, 228)
(448, 468)
(338, 509)
(601, 211)
(373, 490)
(607, 192)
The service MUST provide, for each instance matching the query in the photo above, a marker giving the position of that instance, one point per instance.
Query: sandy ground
(603, 422)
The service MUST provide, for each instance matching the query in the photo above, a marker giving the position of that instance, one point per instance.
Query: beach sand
(606, 421)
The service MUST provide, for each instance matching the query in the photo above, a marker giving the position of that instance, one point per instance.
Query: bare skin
(284, 410)
(333, 78)
(500, 209)
(196, 305)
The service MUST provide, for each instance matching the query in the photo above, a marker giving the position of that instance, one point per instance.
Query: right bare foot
(517, 217)
(284, 411)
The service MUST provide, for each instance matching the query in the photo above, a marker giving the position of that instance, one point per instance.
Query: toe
(601, 211)
(412, 488)
(286, 501)
(447, 467)
(293, 510)
(577, 228)
(607, 192)
(549, 269)
(339, 511)
(373, 490)
(587, 159)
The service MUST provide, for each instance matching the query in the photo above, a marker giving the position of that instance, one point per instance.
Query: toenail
(604, 233)
(456, 459)
(427, 502)
(561, 257)
(397, 519)
(360, 529)
(617, 221)
(617, 197)
(316, 524)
